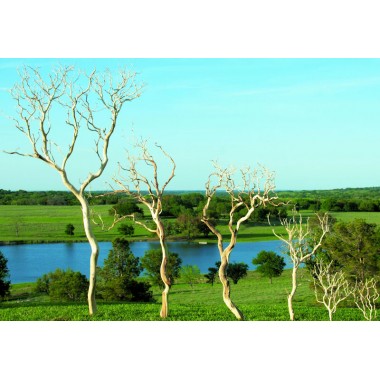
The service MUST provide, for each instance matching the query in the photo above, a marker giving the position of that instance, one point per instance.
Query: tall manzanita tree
(301, 245)
(68, 103)
(148, 191)
(256, 190)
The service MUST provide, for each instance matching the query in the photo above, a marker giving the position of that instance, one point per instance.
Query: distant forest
(350, 199)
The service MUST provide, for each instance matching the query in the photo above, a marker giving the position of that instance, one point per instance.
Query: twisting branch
(301, 245)
(256, 190)
(37, 96)
(331, 283)
(150, 193)
(366, 296)
(34, 98)
(298, 236)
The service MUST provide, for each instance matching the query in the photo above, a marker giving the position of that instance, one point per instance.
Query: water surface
(27, 262)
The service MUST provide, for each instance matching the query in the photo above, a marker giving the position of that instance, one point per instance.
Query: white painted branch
(333, 285)
(35, 98)
(153, 201)
(298, 246)
(366, 296)
(249, 196)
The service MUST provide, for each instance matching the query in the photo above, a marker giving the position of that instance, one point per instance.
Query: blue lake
(29, 261)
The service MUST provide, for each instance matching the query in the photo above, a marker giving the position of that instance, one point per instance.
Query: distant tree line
(337, 200)
(191, 203)
(52, 198)
(337, 205)
(348, 193)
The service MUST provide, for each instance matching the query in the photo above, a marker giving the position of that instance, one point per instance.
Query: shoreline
(199, 241)
(26, 242)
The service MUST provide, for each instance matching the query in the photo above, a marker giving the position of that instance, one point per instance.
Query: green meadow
(254, 295)
(39, 224)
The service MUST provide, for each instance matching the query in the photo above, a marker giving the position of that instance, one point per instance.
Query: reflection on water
(28, 262)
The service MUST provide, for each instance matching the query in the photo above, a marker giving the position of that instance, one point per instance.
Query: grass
(257, 299)
(255, 296)
(369, 217)
(39, 224)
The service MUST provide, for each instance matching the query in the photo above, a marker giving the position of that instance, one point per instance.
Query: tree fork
(35, 98)
(248, 197)
(153, 201)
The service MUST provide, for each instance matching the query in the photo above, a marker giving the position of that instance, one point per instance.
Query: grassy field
(47, 224)
(34, 224)
(369, 217)
(255, 296)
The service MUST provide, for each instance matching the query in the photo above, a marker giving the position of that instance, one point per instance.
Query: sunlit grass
(254, 295)
(32, 224)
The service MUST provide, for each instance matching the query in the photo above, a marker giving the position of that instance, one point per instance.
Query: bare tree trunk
(165, 305)
(94, 255)
(86, 215)
(226, 287)
(165, 293)
(292, 293)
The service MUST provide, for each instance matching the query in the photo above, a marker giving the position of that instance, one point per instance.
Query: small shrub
(125, 289)
(4, 274)
(191, 274)
(63, 285)
(211, 275)
(69, 229)
(42, 284)
(236, 271)
(126, 229)
(269, 264)
(151, 262)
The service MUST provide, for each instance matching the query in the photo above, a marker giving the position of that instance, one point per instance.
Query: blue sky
(315, 122)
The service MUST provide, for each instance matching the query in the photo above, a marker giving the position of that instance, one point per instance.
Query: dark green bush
(69, 229)
(4, 274)
(63, 285)
(117, 277)
(151, 262)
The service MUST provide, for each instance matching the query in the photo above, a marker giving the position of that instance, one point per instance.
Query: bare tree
(18, 224)
(43, 102)
(149, 192)
(257, 190)
(301, 245)
(365, 296)
(331, 283)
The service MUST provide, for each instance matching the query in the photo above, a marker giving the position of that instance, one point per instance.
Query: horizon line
(202, 190)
